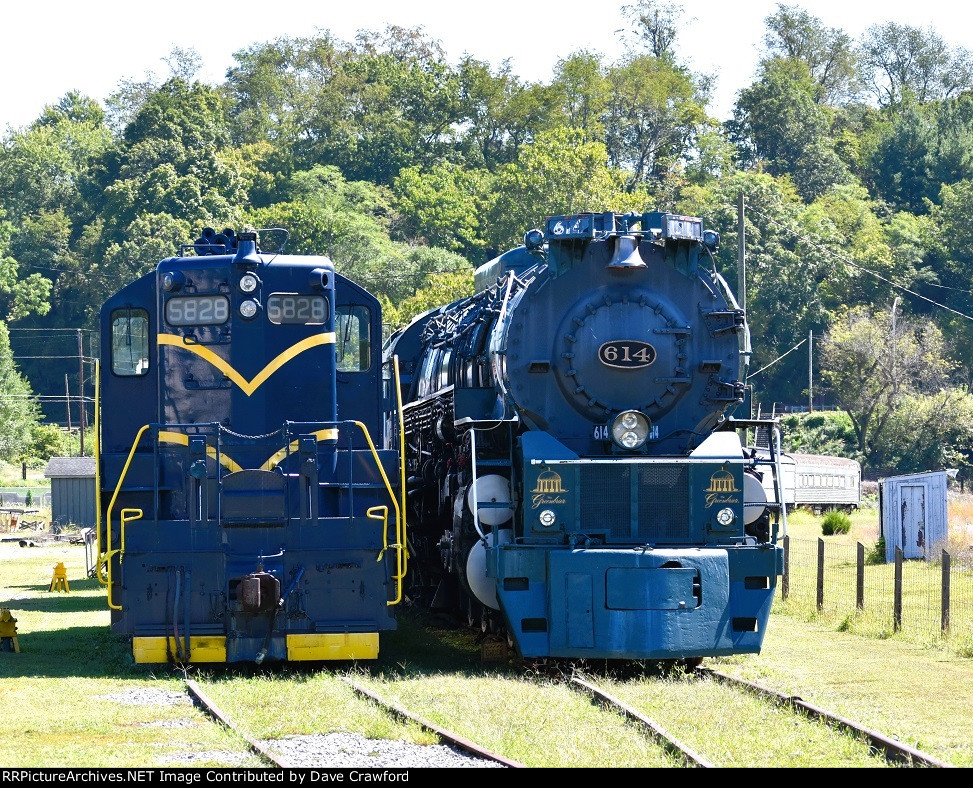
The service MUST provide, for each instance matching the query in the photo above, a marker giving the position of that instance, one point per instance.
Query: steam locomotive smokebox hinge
(722, 321)
(258, 592)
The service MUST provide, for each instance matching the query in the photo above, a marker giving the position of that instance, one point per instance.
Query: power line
(72, 330)
(777, 359)
(853, 264)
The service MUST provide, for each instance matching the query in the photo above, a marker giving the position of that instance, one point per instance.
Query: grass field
(73, 696)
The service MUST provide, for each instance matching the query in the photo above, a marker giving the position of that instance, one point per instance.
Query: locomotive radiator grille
(660, 494)
(611, 506)
(664, 502)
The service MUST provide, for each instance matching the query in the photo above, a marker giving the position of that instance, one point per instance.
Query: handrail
(126, 516)
(111, 503)
(403, 538)
(399, 547)
(97, 453)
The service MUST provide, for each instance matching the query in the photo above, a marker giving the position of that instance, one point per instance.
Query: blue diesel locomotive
(576, 480)
(247, 510)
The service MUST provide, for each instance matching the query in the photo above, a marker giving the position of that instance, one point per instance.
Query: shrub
(876, 553)
(835, 523)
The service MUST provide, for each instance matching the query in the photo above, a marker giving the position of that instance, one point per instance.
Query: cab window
(353, 325)
(130, 342)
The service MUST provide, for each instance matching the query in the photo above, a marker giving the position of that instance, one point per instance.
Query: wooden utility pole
(810, 374)
(81, 389)
(741, 256)
(67, 399)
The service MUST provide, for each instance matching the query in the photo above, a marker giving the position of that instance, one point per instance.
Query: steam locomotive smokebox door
(253, 497)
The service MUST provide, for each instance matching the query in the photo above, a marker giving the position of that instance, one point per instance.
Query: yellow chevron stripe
(248, 386)
(183, 440)
(321, 435)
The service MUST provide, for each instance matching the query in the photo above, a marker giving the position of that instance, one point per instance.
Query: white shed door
(913, 520)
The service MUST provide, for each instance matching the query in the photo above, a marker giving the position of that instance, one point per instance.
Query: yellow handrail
(111, 505)
(126, 516)
(97, 453)
(402, 537)
(398, 515)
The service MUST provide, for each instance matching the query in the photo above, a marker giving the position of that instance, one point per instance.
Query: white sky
(49, 47)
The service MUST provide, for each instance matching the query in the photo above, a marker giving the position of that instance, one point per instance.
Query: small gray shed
(914, 514)
(72, 490)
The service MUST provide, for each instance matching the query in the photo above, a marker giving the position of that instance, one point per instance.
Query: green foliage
(18, 408)
(442, 206)
(828, 432)
(928, 432)
(46, 441)
(835, 522)
(876, 552)
(437, 290)
(779, 121)
(559, 172)
(872, 363)
(409, 171)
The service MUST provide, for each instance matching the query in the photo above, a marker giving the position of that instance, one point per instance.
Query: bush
(835, 523)
(876, 553)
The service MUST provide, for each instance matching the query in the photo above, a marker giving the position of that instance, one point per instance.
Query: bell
(626, 253)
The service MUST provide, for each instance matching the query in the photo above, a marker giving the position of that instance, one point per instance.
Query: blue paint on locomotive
(591, 384)
(258, 383)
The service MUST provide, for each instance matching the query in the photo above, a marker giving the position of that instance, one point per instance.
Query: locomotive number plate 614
(626, 353)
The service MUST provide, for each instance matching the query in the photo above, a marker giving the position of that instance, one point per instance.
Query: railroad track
(894, 751)
(656, 731)
(452, 740)
(457, 741)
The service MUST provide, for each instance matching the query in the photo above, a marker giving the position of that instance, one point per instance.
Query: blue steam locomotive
(246, 510)
(577, 481)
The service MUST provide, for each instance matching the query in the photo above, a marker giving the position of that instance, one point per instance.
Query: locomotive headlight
(248, 283)
(630, 429)
(547, 518)
(248, 309)
(725, 516)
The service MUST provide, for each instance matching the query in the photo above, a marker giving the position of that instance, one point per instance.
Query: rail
(894, 750)
(442, 733)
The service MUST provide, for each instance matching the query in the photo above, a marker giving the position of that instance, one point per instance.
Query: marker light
(725, 516)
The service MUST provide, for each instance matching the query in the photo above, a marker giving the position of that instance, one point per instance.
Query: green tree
(500, 113)
(829, 53)
(19, 411)
(443, 206)
(46, 441)
(581, 92)
(654, 25)
(903, 61)
(558, 173)
(778, 122)
(928, 432)
(19, 296)
(923, 148)
(655, 110)
(437, 290)
(829, 433)
(872, 362)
